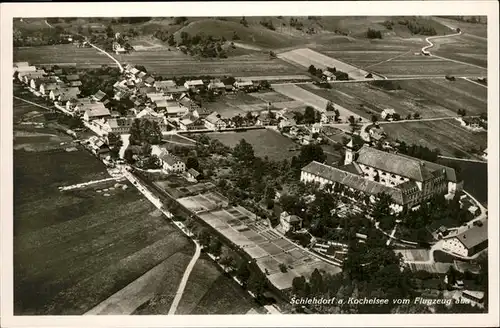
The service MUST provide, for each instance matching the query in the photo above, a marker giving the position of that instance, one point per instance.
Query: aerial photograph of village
(250, 165)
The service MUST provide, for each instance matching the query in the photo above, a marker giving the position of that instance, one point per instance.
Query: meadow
(265, 142)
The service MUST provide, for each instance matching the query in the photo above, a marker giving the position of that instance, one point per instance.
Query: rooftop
(474, 236)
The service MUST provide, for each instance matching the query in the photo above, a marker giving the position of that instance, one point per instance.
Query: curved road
(185, 278)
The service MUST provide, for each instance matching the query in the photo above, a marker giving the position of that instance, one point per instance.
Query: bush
(372, 34)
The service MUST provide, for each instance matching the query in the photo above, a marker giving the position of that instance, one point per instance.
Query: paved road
(32, 103)
(107, 54)
(185, 278)
(471, 81)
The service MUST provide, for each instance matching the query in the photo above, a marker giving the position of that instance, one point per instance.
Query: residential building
(215, 122)
(245, 85)
(202, 112)
(174, 92)
(194, 84)
(175, 110)
(149, 81)
(119, 125)
(409, 181)
(45, 88)
(99, 96)
(287, 120)
(290, 222)
(171, 163)
(329, 76)
(190, 122)
(26, 76)
(387, 114)
(72, 77)
(264, 119)
(97, 111)
(193, 174)
(467, 241)
(316, 128)
(217, 86)
(328, 117)
(62, 95)
(164, 85)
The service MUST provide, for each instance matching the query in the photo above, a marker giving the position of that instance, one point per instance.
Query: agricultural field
(62, 54)
(265, 142)
(210, 291)
(431, 98)
(306, 57)
(310, 98)
(446, 135)
(466, 48)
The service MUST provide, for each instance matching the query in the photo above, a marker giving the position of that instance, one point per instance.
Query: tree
(171, 40)
(416, 115)
(244, 152)
(109, 32)
(257, 283)
(205, 237)
(309, 153)
(244, 22)
(128, 155)
(309, 115)
(374, 118)
(330, 107)
(312, 70)
(316, 282)
(283, 267)
(242, 271)
(299, 286)
(215, 247)
(272, 54)
(352, 120)
(192, 163)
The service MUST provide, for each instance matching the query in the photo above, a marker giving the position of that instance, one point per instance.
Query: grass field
(265, 142)
(306, 57)
(446, 135)
(75, 249)
(467, 48)
(427, 67)
(62, 54)
(314, 99)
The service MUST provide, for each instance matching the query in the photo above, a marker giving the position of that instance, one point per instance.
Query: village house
(387, 114)
(171, 163)
(141, 76)
(164, 85)
(175, 110)
(316, 128)
(190, 122)
(202, 112)
(155, 96)
(217, 86)
(409, 181)
(98, 146)
(328, 117)
(194, 84)
(245, 85)
(328, 76)
(45, 88)
(23, 67)
(467, 241)
(149, 81)
(62, 95)
(160, 104)
(215, 122)
(193, 174)
(287, 120)
(150, 115)
(174, 92)
(96, 111)
(264, 118)
(71, 77)
(25, 77)
(290, 222)
(119, 125)
(99, 96)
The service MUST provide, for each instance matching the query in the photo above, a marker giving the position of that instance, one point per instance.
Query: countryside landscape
(250, 165)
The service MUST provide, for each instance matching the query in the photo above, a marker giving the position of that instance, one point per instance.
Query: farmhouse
(215, 122)
(99, 96)
(175, 91)
(245, 85)
(164, 85)
(329, 76)
(467, 241)
(174, 110)
(217, 86)
(190, 122)
(287, 120)
(387, 113)
(194, 84)
(171, 163)
(45, 88)
(409, 181)
(193, 174)
(96, 111)
(62, 95)
(119, 125)
(25, 77)
(202, 112)
(290, 222)
(316, 128)
(149, 81)
(328, 117)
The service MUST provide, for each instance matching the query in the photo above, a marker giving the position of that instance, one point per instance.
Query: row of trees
(418, 26)
(145, 131)
(418, 151)
(373, 34)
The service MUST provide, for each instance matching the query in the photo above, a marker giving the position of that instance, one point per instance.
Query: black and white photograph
(177, 164)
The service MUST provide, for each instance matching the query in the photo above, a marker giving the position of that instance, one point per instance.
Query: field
(87, 246)
(306, 57)
(265, 142)
(467, 48)
(62, 54)
(430, 98)
(446, 135)
(413, 254)
(311, 99)
(174, 63)
(210, 291)
(426, 67)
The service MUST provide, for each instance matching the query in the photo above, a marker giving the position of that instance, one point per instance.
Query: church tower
(349, 153)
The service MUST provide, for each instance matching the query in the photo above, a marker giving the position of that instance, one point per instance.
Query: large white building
(408, 180)
(467, 241)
